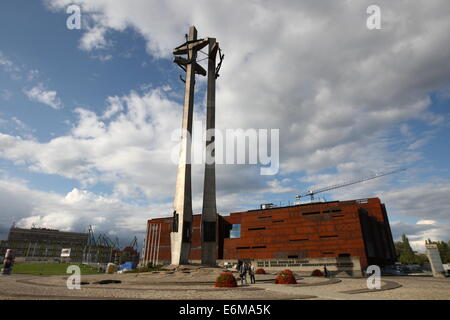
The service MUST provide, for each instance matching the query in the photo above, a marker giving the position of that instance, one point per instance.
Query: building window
(332, 210)
(235, 231)
(310, 213)
(254, 229)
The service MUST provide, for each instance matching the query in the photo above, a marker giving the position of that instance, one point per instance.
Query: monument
(435, 260)
(180, 237)
(209, 223)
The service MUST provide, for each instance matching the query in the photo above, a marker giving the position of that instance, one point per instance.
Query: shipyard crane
(134, 244)
(313, 192)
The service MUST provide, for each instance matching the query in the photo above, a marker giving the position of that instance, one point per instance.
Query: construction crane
(134, 243)
(313, 192)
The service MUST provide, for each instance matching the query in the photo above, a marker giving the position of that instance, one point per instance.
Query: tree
(421, 258)
(405, 253)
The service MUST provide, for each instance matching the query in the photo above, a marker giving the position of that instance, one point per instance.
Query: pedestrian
(325, 271)
(8, 262)
(252, 273)
(243, 273)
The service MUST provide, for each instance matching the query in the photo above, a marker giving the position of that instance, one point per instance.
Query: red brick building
(355, 228)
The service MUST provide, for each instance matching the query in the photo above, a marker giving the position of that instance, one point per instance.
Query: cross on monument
(181, 234)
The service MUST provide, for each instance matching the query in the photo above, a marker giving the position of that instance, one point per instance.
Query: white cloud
(94, 38)
(332, 86)
(102, 57)
(423, 201)
(130, 151)
(419, 232)
(23, 128)
(18, 127)
(5, 63)
(426, 222)
(114, 106)
(8, 66)
(74, 211)
(278, 186)
(40, 94)
(32, 74)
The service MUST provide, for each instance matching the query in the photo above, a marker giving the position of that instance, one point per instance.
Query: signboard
(65, 253)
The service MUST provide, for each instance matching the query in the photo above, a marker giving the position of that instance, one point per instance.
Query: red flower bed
(285, 277)
(225, 280)
(317, 273)
(260, 271)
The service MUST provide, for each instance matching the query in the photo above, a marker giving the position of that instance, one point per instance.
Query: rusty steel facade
(355, 228)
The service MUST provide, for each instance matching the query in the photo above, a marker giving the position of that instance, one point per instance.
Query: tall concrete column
(209, 213)
(180, 237)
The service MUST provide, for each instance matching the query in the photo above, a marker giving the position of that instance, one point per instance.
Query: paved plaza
(198, 283)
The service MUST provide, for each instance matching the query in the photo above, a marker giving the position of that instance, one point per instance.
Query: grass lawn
(50, 269)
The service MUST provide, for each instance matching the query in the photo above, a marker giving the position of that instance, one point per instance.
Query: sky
(87, 115)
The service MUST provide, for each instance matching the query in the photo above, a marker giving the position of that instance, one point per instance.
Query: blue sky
(86, 115)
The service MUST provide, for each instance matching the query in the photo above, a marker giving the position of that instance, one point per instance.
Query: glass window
(235, 231)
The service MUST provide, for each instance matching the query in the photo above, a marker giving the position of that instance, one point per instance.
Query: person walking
(252, 273)
(325, 271)
(243, 273)
(238, 265)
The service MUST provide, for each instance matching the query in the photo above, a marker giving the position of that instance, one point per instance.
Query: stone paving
(198, 283)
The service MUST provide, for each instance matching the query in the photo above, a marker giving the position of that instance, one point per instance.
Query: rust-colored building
(355, 228)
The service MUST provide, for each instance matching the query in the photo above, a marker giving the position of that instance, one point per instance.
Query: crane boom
(311, 193)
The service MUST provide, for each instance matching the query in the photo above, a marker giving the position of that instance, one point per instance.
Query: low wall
(342, 267)
(336, 266)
